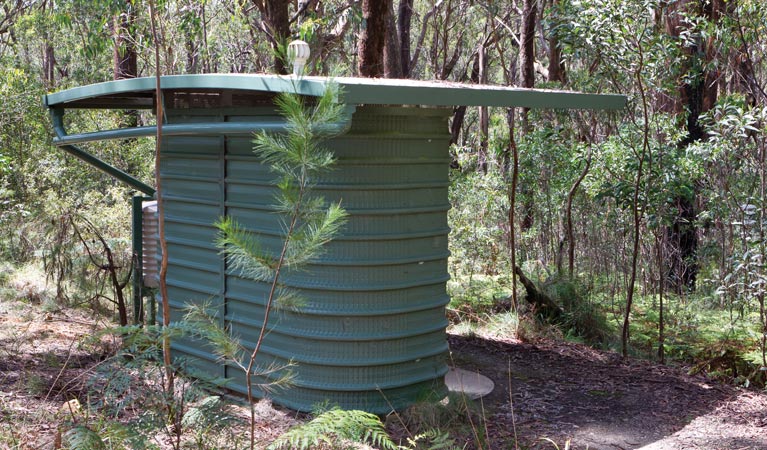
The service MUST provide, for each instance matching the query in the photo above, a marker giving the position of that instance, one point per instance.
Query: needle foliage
(298, 159)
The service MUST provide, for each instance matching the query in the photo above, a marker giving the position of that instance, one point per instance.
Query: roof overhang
(138, 93)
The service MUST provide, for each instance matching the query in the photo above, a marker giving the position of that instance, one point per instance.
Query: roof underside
(138, 93)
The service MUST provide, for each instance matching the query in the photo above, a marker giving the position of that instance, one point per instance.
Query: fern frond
(336, 425)
(210, 414)
(82, 438)
(431, 439)
(116, 435)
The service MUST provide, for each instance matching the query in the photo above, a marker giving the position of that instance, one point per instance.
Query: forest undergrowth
(598, 260)
(722, 343)
(71, 378)
(704, 329)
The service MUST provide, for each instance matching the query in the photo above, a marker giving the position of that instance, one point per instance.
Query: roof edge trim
(355, 91)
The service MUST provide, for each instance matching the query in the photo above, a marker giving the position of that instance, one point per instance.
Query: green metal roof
(138, 92)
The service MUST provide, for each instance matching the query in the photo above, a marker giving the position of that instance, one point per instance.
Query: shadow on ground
(595, 399)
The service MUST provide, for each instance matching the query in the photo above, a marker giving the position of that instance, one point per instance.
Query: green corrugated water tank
(372, 322)
(370, 333)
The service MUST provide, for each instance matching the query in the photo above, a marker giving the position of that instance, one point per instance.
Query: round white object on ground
(473, 384)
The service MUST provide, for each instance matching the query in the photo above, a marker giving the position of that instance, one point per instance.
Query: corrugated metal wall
(370, 333)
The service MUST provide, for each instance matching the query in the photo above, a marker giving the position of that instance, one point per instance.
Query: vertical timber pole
(138, 256)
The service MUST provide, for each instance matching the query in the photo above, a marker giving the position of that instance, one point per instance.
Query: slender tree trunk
(634, 259)
(660, 242)
(373, 38)
(205, 49)
(192, 60)
(512, 196)
(661, 290)
(392, 47)
(637, 209)
(49, 57)
(196, 40)
(124, 56)
(459, 113)
(484, 118)
(569, 218)
(49, 64)
(527, 79)
(556, 66)
(527, 51)
(762, 248)
(404, 19)
(173, 413)
(422, 35)
(250, 369)
(456, 123)
(110, 267)
(745, 78)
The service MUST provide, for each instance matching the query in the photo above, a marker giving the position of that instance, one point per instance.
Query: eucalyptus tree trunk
(278, 23)
(373, 38)
(527, 75)
(697, 94)
(404, 19)
(459, 112)
(49, 57)
(174, 413)
(392, 47)
(762, 286)
(275, 25)
(124, 56)
(569, 217)
(49, 64)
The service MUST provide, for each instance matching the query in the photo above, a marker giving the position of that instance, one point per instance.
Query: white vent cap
(298, 53)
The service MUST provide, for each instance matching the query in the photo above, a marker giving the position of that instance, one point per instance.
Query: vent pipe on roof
(298, 52)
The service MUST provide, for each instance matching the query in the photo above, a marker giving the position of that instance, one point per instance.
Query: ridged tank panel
(369, 329)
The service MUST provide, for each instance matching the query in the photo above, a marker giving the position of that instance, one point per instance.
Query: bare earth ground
(596, 400)
(559, 391)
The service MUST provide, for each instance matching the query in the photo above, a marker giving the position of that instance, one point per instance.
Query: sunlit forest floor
(594, 399)
(548, 393)
(52, 379)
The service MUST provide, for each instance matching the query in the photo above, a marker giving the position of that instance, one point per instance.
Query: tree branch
(422, 35)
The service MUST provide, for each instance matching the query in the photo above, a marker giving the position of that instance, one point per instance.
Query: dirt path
(597, 401)
(560, 391)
